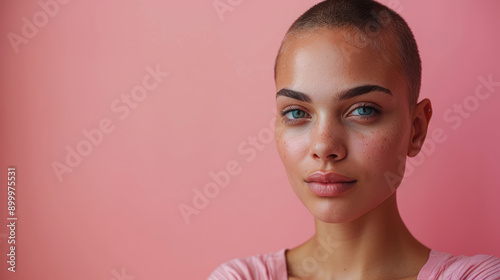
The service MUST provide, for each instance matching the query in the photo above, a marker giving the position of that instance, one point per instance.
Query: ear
(420, 121)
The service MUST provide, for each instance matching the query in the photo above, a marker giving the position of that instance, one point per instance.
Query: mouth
(329, 184)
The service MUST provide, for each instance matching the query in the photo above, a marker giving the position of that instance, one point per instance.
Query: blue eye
(366, 112)
(363, 111)
(295, 114)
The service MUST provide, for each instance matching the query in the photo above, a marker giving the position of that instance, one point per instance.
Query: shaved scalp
(372, 24)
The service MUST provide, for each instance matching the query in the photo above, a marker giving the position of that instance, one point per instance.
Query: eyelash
(291, 121)
(376, 111)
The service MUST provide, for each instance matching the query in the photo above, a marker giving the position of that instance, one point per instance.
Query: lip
(329, 184)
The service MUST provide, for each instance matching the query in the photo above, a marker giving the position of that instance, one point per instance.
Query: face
(340, 109)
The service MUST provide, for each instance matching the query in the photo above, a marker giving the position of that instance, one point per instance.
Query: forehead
(326, 59)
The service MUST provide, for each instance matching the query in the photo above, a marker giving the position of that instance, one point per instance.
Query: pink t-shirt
(439, 266)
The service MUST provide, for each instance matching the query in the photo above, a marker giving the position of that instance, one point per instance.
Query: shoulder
(264, 266)
(443, 266)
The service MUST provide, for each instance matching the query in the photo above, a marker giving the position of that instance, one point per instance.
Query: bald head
(366, 24)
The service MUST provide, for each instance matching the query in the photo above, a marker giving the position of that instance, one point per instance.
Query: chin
(333, 212)
(334, 219)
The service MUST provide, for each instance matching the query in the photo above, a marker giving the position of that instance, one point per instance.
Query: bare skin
(359, 233)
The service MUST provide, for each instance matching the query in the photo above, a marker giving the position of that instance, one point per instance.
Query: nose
(328, 142)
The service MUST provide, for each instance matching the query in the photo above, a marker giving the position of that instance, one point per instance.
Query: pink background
(117, 212)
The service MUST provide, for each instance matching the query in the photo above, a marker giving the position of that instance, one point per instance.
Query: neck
(376, 245)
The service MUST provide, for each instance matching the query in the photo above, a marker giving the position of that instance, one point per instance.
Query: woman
(348, 76)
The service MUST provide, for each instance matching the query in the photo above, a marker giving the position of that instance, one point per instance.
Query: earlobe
(420, 122)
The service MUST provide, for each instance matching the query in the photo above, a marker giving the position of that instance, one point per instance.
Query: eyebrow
(346, 94)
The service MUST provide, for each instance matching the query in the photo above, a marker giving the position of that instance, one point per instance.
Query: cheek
(380, 150)
(292, 148)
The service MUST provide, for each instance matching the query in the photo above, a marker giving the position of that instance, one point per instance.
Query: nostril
(332, 149)
(330, 156)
